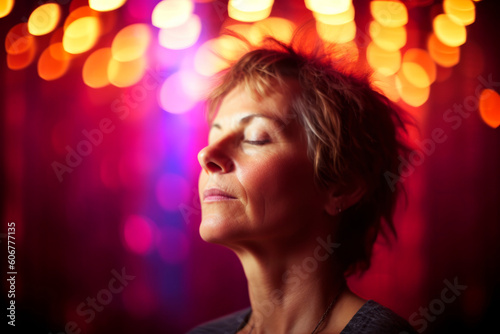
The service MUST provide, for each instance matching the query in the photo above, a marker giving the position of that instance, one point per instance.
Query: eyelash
(256, 142)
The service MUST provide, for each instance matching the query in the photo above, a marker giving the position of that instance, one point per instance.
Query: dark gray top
(371, 318)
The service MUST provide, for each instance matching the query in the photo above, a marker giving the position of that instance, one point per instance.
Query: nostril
(213, 166)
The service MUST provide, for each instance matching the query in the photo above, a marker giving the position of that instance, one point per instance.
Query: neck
(290, 291)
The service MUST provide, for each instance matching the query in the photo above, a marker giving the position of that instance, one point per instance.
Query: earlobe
(337, 203)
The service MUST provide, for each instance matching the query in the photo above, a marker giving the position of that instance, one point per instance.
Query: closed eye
(257, 142)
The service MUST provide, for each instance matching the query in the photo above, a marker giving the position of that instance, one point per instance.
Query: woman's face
(257, 182)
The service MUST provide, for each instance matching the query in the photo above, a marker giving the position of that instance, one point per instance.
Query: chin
(220, 231)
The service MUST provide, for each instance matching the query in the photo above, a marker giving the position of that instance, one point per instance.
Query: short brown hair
(355, 134)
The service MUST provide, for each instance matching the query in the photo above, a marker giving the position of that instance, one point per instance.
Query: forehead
(242, 101)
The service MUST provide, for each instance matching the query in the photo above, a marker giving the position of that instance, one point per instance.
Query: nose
(214, 159)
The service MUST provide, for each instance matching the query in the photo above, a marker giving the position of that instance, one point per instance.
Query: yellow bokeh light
(81, 35)
(383, 61)
(389, 13)
(443, 55)
(449, 32)
(461, 11)
(489, 107)
(50, 67)
(44, 19)
(418, 68)
(336, 33)
(171, 13)
(214, 55)
(131, 42)
(95, 68)
(249, 11)
(412, 95)
(18, 39)
(388, 38)
(6, 7)
(78, 13)
(106, 5)
(181, 37)
(125, 74)
(328, 7)
(279, 28)
(239, 28)
(386, 85)
(339, 18)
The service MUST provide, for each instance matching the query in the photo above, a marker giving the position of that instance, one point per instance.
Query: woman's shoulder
(228, 324)
(373, 318)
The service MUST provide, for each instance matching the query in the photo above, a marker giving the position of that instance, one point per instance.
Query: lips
(215, 195)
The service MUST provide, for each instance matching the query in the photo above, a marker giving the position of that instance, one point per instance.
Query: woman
(294, 181)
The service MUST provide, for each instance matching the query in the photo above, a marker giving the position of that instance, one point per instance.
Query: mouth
(216, 195)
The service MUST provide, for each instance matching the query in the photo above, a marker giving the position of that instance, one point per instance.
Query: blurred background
(102, 118)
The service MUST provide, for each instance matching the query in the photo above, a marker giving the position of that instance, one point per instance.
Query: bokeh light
(386, 85)
(172, 190)
(449, 32)
(95, 68)
(383, 61)
(411, 94)
(389, 13)
(249, 10)
(461, 11)
(279, 28)
(388, 38)
(6, 7)
(336, 19)
(20, 46)
(125, 74)
(418, 68)
(214, 55)
(327, 6)
(443, 55)
(336, 33)
(52, 67)
(138, 234)
(174, 98)
(131, 42)
(181, 37)
(81, 35)
(489, 107)
(171, 13)
(44, 19)
(106, 5)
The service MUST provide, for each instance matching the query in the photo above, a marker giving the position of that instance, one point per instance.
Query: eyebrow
(248, 118)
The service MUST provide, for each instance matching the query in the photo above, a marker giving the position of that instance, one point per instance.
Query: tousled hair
(355, 134)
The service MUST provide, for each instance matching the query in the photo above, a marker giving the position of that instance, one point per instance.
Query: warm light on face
(443, 55)
(249, 11)
(44, 19)
(460, 11)
(6, 7)
(181, 37)
(171, 13)
(382, 61)
(95, 69)
(50, 67)
(389, 13)
(336, 33)
(449, 32)
(489, 107)
(81, 35)
(106, 5)
(389, 39)
(328, 7)
(418, 68)
(131, 42)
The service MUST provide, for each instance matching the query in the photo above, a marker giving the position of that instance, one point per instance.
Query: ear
(338, 202)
